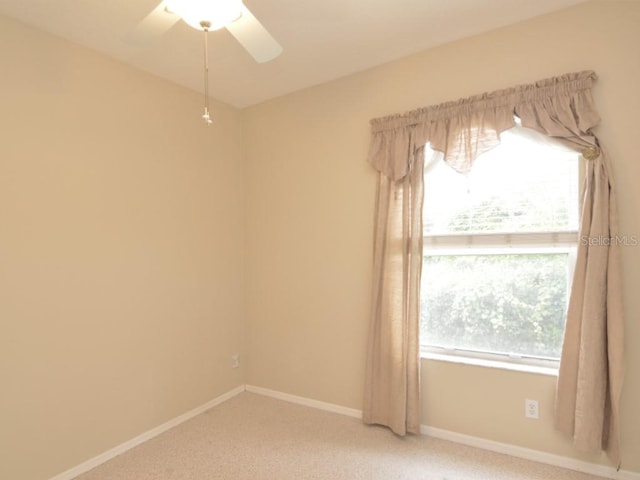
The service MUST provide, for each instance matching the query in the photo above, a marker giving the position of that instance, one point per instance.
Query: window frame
(568, 247)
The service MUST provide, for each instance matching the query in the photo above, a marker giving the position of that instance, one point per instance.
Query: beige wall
(310, 201)
(121, 253)
(123, 280)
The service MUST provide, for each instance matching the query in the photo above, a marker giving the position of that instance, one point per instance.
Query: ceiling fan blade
(254, 37)
(152, 27)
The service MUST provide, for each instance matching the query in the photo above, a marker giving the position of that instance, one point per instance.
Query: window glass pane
(505, 303)
(524, 185)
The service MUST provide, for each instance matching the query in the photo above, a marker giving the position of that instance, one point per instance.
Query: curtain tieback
(591, 153)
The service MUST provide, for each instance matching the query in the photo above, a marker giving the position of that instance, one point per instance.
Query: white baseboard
(529, 454)
(505, 448)
(308, 402)
(128, 445)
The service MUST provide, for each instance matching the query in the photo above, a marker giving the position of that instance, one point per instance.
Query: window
(499, 248)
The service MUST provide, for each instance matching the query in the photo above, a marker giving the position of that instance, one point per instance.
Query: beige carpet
(256, 437)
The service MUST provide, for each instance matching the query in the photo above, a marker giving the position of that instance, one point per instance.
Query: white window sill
(482, 362)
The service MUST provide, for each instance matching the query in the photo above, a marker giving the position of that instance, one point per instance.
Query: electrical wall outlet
(531, 409)
(235, 360)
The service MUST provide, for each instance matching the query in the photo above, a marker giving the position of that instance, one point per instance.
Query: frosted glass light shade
(218, 13)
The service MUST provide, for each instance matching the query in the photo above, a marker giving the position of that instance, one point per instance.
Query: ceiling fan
(209, 15)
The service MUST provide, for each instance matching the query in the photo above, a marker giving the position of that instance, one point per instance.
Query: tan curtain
(591, 367)
(392, 392)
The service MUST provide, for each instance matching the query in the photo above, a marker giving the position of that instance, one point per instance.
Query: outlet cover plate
(531, 409)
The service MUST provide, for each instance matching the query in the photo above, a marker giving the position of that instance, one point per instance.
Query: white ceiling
(322, 39)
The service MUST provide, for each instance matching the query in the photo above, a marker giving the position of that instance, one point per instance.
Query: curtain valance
(560, 107)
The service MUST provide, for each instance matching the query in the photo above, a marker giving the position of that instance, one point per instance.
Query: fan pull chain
(206, 116)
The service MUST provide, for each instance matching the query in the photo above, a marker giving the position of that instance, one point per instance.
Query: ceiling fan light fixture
(217, 13)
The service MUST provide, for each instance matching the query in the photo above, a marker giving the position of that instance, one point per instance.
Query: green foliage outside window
(500, 303)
